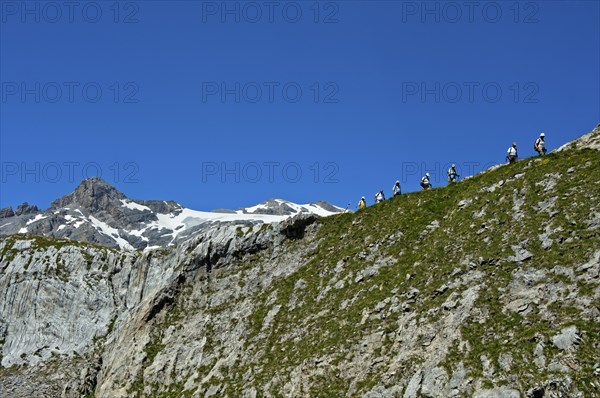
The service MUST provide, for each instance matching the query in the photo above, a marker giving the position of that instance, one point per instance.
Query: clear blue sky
(390, 89)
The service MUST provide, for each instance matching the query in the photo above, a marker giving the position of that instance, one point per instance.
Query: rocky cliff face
(487, 288)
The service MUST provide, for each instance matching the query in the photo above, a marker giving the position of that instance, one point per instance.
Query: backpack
(535, 145)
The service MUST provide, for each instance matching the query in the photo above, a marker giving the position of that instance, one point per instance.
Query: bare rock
(501, 392)
(568, 339)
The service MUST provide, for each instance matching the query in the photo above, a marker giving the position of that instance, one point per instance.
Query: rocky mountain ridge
(487, 288)
(97, 213)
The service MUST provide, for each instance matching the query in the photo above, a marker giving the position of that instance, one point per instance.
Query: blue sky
(226, 104)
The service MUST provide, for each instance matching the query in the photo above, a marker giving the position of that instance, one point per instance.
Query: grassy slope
(431, 259)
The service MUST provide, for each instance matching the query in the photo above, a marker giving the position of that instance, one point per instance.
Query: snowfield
(127, 229)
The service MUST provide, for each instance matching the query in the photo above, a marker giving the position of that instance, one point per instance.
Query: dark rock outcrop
(25, 208)
(6, 212)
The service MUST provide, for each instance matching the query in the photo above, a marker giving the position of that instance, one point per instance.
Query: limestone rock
(568, 339)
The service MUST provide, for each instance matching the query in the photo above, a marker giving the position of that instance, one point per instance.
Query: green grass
(430, 259)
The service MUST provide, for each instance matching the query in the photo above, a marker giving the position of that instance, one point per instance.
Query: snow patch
(139, 233)
(107, 230)
(78, 224)
(36, 219)
(134, 206)
(188, 218)
(296, 208)
(252, 209)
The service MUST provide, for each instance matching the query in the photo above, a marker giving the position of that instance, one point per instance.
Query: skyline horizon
(437, 174)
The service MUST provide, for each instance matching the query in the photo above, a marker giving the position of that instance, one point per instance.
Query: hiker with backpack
(452, 174)
(511, 154)
(540, 145)
(379, 197)
(362, 204)
(425, 181)
(396, 190)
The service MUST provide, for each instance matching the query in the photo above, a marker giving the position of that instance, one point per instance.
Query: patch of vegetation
(173, 316)
(111, 325)
(403, 231)
(265, 227)
(175, 390)
(8, 253)
(2, 341)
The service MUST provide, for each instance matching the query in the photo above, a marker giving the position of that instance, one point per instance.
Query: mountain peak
(92, 193)
(98, 213)
(281, 207)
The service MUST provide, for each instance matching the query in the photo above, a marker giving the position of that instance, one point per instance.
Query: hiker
(379, 197)
(425, 181)
(511, 154)
(452, 174)
(540, 145)
(396, 189)
(362, 204)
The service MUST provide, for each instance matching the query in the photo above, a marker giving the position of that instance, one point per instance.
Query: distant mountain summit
(94, 194)
(98, 213)
(280, 207)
